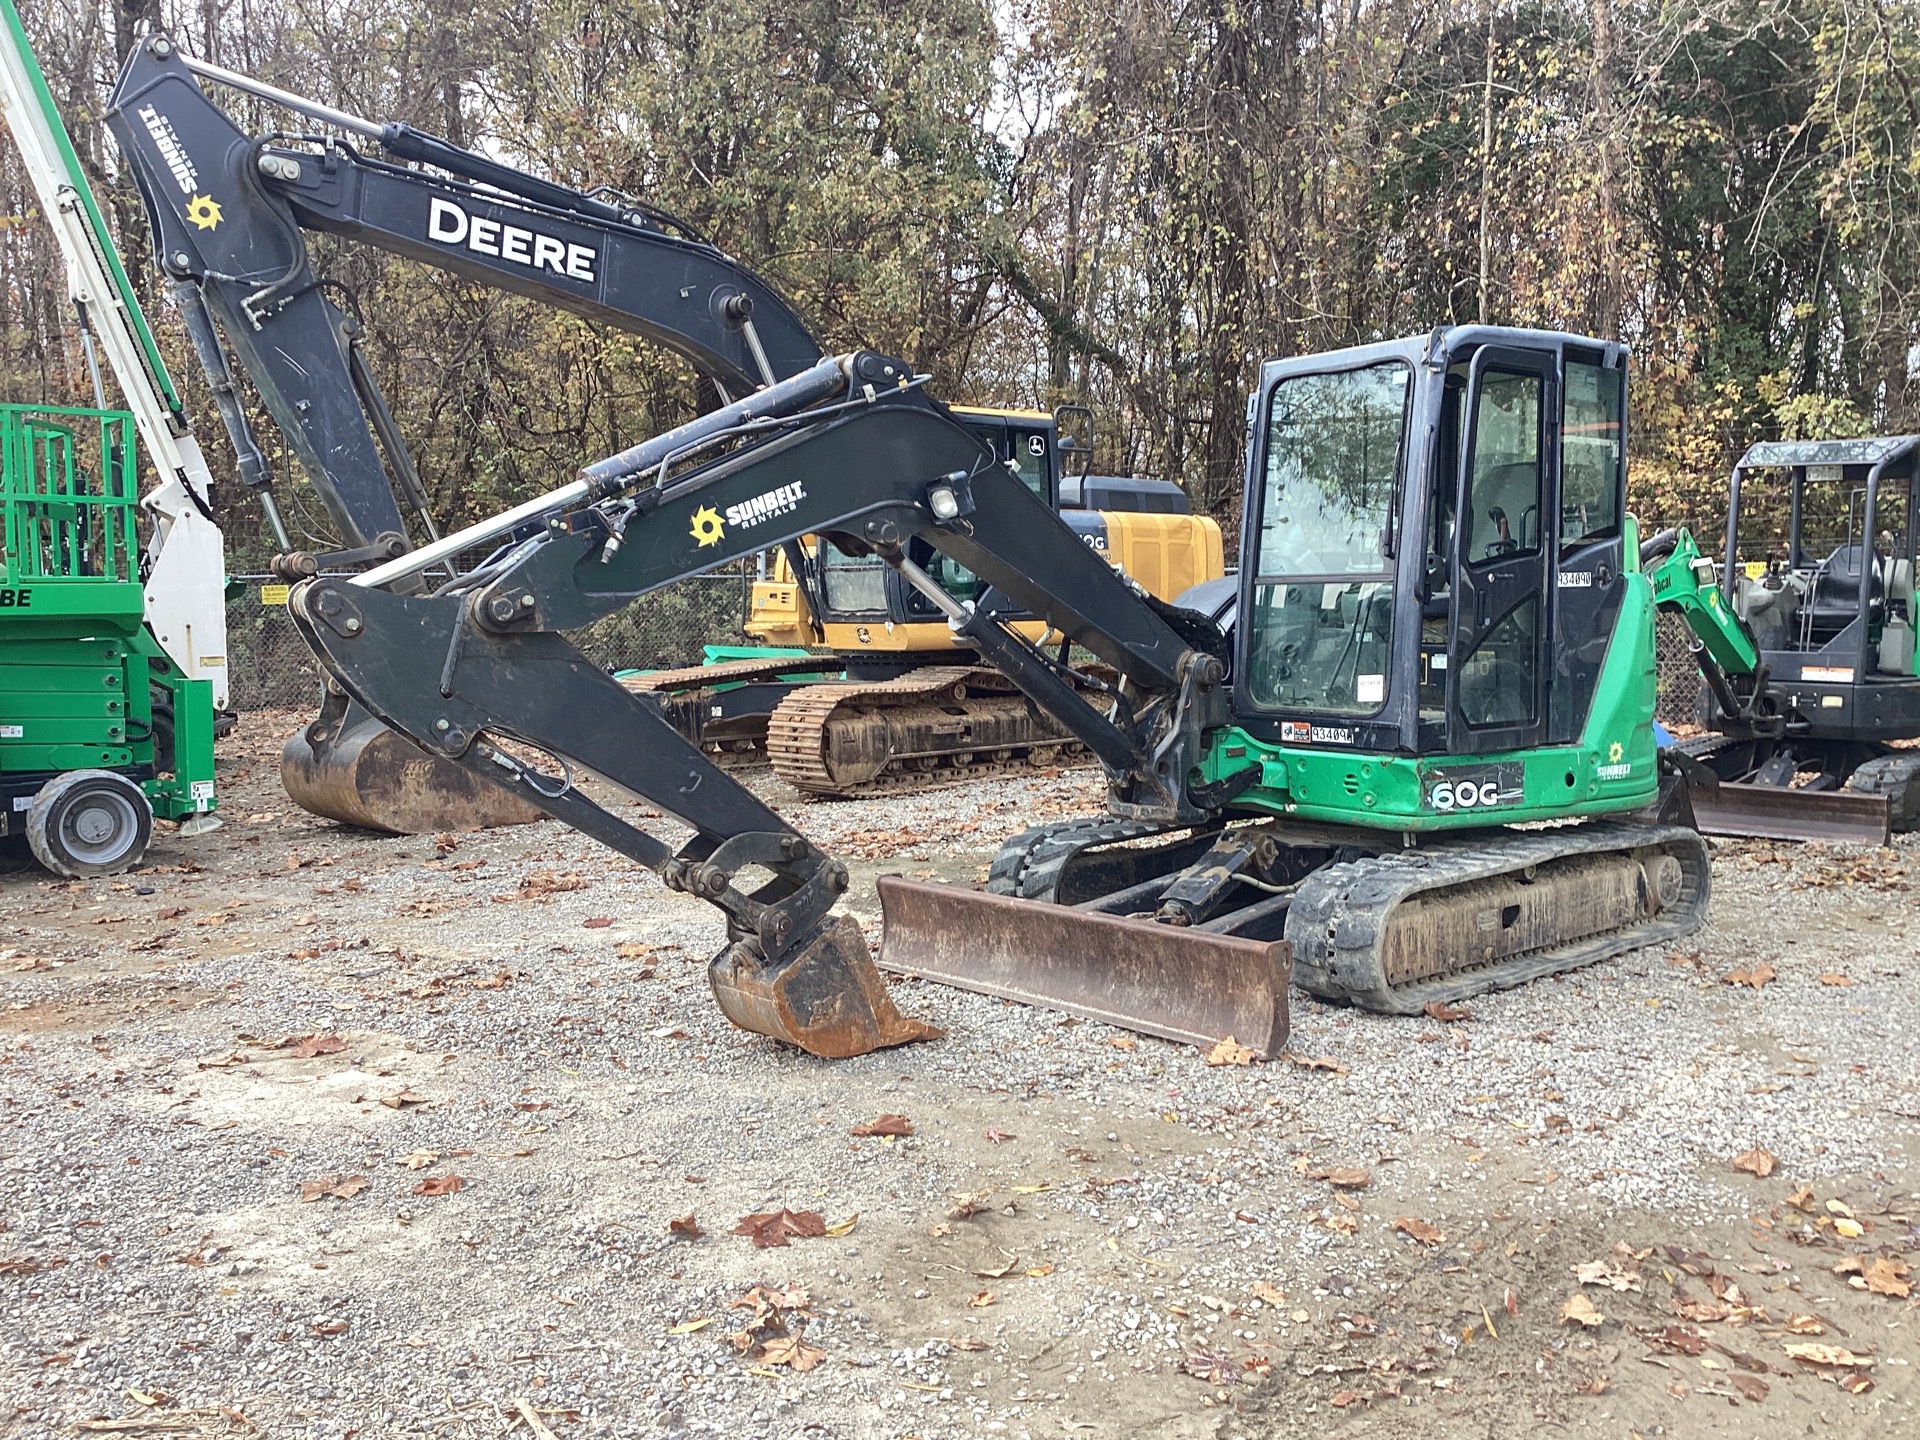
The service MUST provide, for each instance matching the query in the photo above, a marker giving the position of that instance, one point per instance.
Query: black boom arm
(228, 214)
(852, 449)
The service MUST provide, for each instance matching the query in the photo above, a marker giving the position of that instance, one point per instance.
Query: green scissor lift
(102, 725)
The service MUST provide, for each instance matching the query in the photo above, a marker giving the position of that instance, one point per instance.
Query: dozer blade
(1180, 984)
(1774, 812)
(369, 775)
(825, 996)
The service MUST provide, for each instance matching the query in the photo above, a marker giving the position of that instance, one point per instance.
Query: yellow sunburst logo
(707, 529)
(1615, 752)
(204, 212)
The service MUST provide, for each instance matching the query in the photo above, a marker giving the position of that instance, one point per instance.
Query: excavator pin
(824, 995)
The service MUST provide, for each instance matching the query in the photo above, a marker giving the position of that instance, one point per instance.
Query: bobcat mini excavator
(229, 215)
(1442, 631)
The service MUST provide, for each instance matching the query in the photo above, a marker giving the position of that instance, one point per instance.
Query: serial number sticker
(1833, 674)
(1477, 787)
(1370, 689)
(23, 802)
(201, 789)
(13, 732)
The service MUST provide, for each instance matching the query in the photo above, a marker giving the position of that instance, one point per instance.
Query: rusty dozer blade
(1180, 984)
(1775, 812)
(348, 766)
(824, 995)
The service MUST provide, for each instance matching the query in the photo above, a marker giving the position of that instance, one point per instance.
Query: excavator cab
(1434, 562)
(1820, 570)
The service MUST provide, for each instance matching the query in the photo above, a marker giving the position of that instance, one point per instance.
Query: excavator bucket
(349, 767)
(1190, 985)
(825, 997)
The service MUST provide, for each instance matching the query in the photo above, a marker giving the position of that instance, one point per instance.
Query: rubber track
(1030, 864)
(1897, 777)
(1337, 922)
(698, 677)
(796, 734)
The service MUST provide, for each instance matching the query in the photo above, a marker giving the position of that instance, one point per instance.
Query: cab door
(1500, 630)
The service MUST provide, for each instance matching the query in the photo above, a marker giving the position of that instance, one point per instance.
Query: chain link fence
(269, 666)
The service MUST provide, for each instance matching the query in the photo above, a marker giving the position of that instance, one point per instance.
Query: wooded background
(1129, 204)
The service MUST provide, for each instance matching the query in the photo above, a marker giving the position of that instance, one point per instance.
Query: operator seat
(1834, 597)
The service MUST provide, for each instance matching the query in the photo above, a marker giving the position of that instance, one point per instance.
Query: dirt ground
(306, 1131)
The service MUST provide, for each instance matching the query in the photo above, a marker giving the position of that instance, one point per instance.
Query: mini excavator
(1441, 632)
(904, 702)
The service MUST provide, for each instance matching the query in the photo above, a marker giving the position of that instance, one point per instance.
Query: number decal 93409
(1475, 787)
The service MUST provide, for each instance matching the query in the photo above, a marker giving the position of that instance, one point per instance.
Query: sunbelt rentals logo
(172, 153)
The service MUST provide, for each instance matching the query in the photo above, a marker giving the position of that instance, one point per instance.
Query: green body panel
(1613, 768)
(1684, 580)
(77, 662)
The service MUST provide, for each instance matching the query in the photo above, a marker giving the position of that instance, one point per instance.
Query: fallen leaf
(1039, 1272)
(420, 1159)
(596, 922)
(1419, 1229)
(1214, 1369)
(981, 1301)
(312, 1045)
(1805, 1325)
(687, 1327)
(1268, 1294)
(844, 1227)
(1751, 1386)
(999, 1272)
(1885, 1277)
(1756, 977)
(1446, 1014)
(1856, 1383)
(1603, 1272)
(884, 1125)
(686, 1227)
(996, 1136)
(1848, 1229)
(964, 1205)
(633, 951)
(1598, 1385)
(1802, 1199)
(1511, 1304)
(340, 1187)
(1579, 1311)
(403, 1099)
(1314, 1062)
(1231, 1052)
(440, 1185)
(1757, 1162)
(793, 1352)
(1834, 977)
(1344, 1179)
(1686, 1341)
(772, 1227)
(1122, 1042)
(332, 1327)
(1809, 1352)
(1343, 1398)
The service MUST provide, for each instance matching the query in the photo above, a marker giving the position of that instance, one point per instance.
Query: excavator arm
(229, 214)
(478, 673)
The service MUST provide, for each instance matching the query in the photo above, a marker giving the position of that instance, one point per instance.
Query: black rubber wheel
(89, 822)
(163, 748)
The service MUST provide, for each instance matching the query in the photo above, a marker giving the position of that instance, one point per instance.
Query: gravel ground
(1086, 1232)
